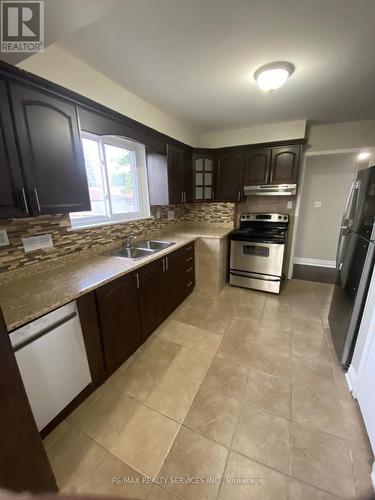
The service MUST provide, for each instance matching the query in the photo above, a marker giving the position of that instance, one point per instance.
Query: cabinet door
(203, 167)
(151, 296)
(175, 160)
(257, 167)
(119, 320)
(12, 194)
(51, 151)
(188, 177)
(229, 177)
(285, 165)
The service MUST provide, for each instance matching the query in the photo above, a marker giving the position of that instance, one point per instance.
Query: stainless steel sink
(154, 245)
(134, 253)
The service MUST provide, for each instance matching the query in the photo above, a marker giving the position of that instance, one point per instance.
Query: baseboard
(315, 262)
(314, 273)
(351, 379)
(373, 475)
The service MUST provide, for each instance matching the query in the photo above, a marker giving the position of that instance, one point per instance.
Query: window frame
(141, 183)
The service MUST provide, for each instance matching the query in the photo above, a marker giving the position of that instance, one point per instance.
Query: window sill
(108, 223)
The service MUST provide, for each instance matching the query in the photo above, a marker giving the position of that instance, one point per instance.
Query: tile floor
(234, 397)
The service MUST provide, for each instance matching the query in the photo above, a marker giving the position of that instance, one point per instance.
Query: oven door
(259, 258)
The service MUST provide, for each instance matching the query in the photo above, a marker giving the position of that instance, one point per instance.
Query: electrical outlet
(317, 204)
(158, 214)
(289, 205)
(170, 214)
(4, 240)
(42, 242)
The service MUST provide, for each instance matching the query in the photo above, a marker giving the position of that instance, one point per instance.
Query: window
(117, 179)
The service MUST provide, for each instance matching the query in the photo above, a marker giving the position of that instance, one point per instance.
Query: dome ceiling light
(272, 76)
(364, 155)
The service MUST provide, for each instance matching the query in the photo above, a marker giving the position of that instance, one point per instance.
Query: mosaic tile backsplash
(68, 242)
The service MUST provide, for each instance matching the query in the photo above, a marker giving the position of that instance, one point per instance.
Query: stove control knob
(285, 218)
(280, 217)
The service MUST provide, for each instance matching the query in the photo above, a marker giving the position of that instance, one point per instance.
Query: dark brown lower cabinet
(151, 296)
(119, 320)
(24, 464)
(179, 277)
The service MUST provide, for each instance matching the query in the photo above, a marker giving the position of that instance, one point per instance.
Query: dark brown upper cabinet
(170, 178)
(120, 323)
(285, 165)
(203, 177)
(51, 153)
(257, 165)
(229, 177)
(13, 201)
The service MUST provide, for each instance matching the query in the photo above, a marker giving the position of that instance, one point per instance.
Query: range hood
(271, 190)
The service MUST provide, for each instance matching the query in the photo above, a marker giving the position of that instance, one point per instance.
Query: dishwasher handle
(29, 339)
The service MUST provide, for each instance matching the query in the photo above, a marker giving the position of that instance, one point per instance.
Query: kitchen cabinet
(285, 165)
(257, 165)
(229, 177)
(51, 153)
(12, 193)
(119, 319)
(179, 277)
(203, 177)
(151, 296)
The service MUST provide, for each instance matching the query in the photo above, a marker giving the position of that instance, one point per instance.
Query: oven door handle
(257, 276)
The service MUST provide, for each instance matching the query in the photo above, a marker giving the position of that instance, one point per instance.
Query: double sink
(143, 249)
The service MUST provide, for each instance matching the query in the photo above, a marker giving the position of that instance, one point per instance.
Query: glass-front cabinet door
(203, 167)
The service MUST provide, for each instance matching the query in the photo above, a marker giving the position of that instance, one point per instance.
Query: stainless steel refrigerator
(354, 264)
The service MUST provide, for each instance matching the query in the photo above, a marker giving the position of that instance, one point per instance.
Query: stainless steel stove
(257, 251)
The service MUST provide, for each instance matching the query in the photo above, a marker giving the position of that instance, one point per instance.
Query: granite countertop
(26, 298)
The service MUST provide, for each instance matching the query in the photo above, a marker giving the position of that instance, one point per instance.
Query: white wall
(60, 67)
(254, 134)
(327, 179)
(342, 135)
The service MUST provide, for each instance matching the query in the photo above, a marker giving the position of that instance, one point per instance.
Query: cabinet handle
(189, 259)
(163, 261)
(182, 196)
(189, 284)
(239, 195)
(25, 201)
(188, 248)
(37, 199)
(188, 270)
(213, 195)
(166, 263)
(137, 278)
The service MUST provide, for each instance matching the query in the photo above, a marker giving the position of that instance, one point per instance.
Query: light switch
(4, 240)
(317, 204)
(42, 242)
(170, 214)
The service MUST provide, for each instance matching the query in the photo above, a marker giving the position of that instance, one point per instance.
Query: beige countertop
(26, 298)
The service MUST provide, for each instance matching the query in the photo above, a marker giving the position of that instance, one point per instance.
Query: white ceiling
(195, 58)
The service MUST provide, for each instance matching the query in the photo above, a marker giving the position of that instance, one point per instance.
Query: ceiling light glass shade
(272, 76)
(364, 155)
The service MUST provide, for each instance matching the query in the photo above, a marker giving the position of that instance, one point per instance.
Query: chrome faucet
(128, 240)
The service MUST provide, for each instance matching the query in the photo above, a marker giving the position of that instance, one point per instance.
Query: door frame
(301, 189)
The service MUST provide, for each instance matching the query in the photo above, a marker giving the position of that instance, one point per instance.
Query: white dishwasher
(52, 359)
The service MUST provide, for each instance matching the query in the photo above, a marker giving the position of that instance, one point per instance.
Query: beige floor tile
(362, 466)
(322, 461)
(237, 352)
(106, 417)
(225, 377)
(271, 358)
(191, 336)
(73, 458)
(318, 406)
(302, 491)
(158, 493)
(58, 433)
(173, 395)
(214, 415)
(244, 479)
(117, 479)
(306, 309)
(146, 440)
(196, 459)
(269, 392)
(191, 364)
(244, 329)
(264, 437)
